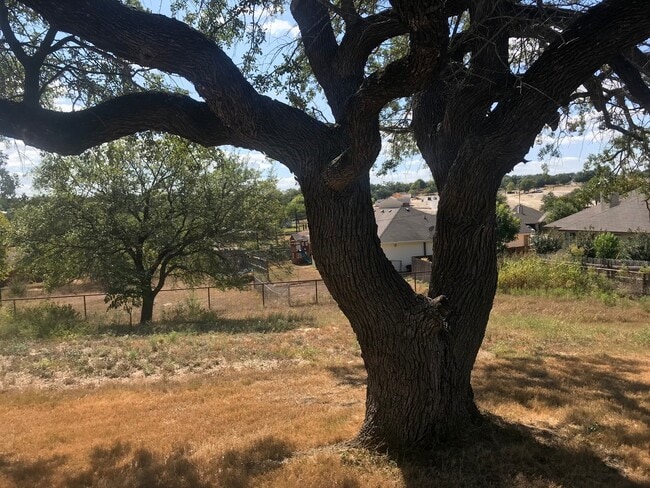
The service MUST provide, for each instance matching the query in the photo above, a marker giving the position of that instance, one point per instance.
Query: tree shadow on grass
(120, 465)
(35, 474)
(350, 375)
(503, 454)
(588, 387)
(598, 401)
(272, 323)
(500, 454)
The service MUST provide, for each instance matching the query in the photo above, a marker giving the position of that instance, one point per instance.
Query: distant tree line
(526, 183)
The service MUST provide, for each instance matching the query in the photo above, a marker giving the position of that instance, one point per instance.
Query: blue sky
(281, 29)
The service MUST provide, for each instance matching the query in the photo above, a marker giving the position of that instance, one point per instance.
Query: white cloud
(287, 183)
(281, 28)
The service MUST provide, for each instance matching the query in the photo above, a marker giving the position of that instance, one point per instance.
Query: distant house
(404, 233)
(621, 216)
(531, 222)
(396, 200)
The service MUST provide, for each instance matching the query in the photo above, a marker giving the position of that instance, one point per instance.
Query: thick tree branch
(340, 69)
(10, 38)
(633, 80)
(592, 40)
(74, 132)
(160, 42)
(427, 53)
(320, 47)
(157, 41)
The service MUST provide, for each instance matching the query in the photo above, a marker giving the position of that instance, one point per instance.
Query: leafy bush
(585, 242)
(546, 243)
(42, 322)
(533, 273)
(636, 247)
(606, 245)
(188, 311)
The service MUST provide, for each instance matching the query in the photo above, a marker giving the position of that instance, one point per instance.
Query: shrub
(636, 247)
(188, 311)
(606, 245)
(532, 273)
(546, 243)
(585, 241)
(43, 321)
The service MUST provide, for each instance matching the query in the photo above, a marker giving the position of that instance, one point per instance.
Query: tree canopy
(467, 84)
(133, 212)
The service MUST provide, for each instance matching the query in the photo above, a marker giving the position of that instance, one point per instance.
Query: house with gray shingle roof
(621, 216)
(404, 232)
(531, 221)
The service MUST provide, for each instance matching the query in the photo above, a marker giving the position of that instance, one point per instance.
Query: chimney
(614, 200)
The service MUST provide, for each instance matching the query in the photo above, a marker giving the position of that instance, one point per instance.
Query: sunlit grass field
(270, 398)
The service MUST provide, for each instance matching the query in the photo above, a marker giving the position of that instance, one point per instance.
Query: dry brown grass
(564, 383)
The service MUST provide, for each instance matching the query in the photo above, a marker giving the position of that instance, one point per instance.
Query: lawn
(267, 398)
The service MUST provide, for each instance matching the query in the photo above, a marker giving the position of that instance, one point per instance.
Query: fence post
(263, 297)
(14, 308)
(289, 294)
(316, 286)
(209, 302)
(85, 309)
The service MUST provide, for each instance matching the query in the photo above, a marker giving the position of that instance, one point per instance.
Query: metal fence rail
(258, 295)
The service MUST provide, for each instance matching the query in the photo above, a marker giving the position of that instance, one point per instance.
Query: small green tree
(418, 186)
(527, 184)
(295, 210)
(507, 226)
(606, 245)
(131, 213)
(8, 183)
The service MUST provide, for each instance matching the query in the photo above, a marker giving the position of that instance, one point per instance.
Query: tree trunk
(419, 365)
(146, 311)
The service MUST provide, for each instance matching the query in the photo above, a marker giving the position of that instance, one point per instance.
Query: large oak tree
(479, 78)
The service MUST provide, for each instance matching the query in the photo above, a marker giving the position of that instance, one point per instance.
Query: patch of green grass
(643, 336)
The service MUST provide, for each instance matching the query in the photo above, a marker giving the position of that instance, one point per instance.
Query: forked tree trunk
(418, 367)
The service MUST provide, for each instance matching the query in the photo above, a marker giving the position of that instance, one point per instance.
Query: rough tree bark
(418, 351)
(146, 310)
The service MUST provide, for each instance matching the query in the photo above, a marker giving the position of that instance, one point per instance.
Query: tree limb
(633, 80)
(428, 38)
(160, 42)
(73, 132)
(593, 39)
